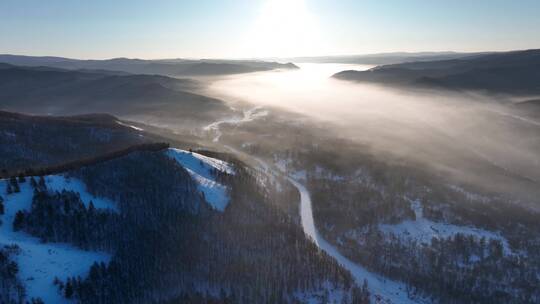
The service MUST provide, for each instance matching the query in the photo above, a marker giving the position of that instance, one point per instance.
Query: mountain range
(384, 58)
(168, 67)
(515, 73)
(45, 90)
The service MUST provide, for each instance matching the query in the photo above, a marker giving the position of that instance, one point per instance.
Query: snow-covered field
(423, 230)
(39, 263)
(201, 169)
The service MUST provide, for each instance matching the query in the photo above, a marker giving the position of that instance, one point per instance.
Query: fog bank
(469, 135)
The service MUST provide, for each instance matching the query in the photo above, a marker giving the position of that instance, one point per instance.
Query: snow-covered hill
(203, 170)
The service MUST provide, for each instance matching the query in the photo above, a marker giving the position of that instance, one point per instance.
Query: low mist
(470, 136)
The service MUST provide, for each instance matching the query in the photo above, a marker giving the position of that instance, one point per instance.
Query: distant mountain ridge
(385, 58)
(516, 72)
(167, 67)
(46, 90)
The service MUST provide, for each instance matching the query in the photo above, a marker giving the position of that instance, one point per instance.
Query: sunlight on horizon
(283, 28)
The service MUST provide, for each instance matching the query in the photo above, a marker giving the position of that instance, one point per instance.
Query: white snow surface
(129, 126)
(423, 229)
(316, 297)
(60, 182)
(39, 263)
(200, 168)
(299, 175)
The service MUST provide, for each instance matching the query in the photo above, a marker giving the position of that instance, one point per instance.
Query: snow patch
(328, 294)
(469, 195)
(129, 126)
(39, 263)
(60, 182)
(286, 166)
(299, 175)
(282, 164)
(423, 230)
(202, 168)
(247, 116)
(9, 134)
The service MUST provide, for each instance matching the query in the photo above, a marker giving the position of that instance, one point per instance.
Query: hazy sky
(263, 28)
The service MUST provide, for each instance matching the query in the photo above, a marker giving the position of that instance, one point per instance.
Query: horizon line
(262, 58)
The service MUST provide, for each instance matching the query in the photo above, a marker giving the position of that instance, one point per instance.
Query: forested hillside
(35, 141)
(155, 237)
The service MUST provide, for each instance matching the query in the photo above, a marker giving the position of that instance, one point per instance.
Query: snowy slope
(201, 169)
(423, 229)
(59, 183)
(39, 263)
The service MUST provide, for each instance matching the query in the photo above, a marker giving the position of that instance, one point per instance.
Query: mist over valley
(270, 151)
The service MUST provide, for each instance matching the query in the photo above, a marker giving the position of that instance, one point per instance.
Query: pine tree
(12, 269)
(68, 290)
(33, 182)
(365, 292)
(18, 221)
(42, 183)
(345, 299)
(91, 207)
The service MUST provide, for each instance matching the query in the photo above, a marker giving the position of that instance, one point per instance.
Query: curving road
(383, 290)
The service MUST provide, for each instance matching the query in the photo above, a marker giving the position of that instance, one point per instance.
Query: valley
(362, 171)
(293, 187)
(269, 152)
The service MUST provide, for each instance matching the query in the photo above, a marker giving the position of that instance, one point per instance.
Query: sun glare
(283, 28)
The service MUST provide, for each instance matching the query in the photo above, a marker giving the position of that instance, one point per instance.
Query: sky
(263, 28)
